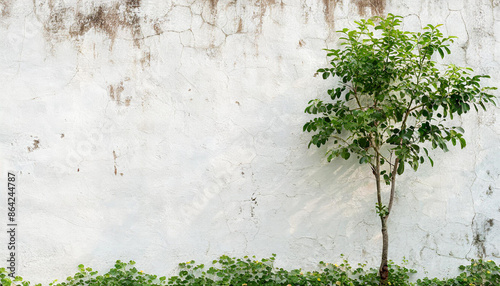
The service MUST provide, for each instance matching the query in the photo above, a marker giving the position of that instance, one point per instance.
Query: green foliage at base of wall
(248, 271)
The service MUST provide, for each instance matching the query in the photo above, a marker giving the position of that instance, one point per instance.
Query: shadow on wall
(326, 208)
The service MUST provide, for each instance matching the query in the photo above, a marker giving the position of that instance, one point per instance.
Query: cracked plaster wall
(165, 131)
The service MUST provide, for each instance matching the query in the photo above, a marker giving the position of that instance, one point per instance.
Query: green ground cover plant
(249, 271)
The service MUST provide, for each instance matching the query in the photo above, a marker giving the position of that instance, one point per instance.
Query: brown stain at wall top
(108, 18)
(262, 5)
(329, 11)
(377, 7)
(268, 2)
(125, 16)
(213, 4)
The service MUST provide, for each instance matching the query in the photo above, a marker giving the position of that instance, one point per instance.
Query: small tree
(391, 103)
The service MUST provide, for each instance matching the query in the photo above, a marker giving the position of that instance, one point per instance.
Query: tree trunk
(384, 269)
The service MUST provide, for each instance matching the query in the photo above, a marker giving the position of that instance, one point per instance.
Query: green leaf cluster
(249, 271)
(121, 274)
(390, 97)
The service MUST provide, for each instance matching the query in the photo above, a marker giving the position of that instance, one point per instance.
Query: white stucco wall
(165, 131)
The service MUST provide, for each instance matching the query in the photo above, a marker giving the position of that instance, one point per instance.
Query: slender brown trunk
(384, 269)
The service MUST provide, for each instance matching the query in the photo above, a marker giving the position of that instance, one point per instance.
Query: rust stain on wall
(109, 18)
(365, 7)
(376, 7)
(240, 26)
(268, 2)
(5, 6)
(213, 5)
(329, 11)
(115, 92)
(56, 24)
(157, 28)
(114, 160)
(36, 145)
(145, 60)
(264, 5)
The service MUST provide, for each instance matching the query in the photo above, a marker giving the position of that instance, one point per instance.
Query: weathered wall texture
(164, 131)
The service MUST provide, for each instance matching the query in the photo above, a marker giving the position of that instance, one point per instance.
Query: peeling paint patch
(36, 145)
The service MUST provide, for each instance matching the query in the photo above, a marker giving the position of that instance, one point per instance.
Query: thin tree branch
(417, 106)
(336, 137)
(376, 173)
(382, 156)
(393, 186)
(356, 97)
